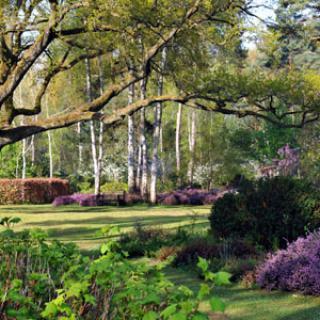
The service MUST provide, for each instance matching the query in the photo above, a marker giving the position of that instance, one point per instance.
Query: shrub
(143, 241)
(166, 252)
(36, 190)
(190, 253)
(90, 200)
(52, 281)
(31, 270)
(190, 196)
(269, 212)
(207, 249)
(295, 269)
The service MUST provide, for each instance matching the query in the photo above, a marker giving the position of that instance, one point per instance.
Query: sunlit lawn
(255, 304)
(81, 225)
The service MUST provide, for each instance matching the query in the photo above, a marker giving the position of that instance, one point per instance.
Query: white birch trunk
(49, 142)
(131, 155)
(156, 136)
(178, 132)
(24, 142)
(192, 143)
(92, 126)
(100, 137)
(80, 148)
(143, 142)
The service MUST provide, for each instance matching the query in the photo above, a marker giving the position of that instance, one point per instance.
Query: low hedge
(34, 191)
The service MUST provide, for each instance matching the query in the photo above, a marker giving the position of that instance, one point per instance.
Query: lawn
(80, 225)
(255, 304)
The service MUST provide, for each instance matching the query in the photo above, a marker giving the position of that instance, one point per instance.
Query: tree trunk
(192, 143)
(80, 148)
(24, 157)
(178, 132)
(131, 156)
(92, 128)
(101, 132)
(24, 142)
(49, 143)
(156, 135)
(143, 145)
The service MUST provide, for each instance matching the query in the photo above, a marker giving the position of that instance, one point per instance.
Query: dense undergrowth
(51, 280)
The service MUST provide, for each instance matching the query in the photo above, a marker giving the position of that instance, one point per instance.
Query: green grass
(81, 224)
(255, 304)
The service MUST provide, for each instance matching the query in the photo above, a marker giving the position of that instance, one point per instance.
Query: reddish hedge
(35, 191)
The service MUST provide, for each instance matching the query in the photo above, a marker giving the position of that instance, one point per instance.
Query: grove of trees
(157, 94)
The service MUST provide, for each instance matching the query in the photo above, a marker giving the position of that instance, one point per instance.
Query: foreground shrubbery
(268, 212)
(295, 269)
(53, 281)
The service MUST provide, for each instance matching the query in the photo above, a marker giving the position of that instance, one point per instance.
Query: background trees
(46, 51)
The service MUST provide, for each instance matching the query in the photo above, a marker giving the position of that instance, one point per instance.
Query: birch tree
(178, 134)
(156, 133)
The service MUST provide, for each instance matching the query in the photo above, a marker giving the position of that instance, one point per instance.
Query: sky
(264, 9)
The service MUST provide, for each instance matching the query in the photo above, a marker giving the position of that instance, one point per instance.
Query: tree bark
(192, 143)
(143, 145)
(49, 143)
(92, 130)
(156, 135)
(178, 133)
(101, 132)
(131, 156)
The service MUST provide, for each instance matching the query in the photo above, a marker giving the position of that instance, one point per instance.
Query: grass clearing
(81, 224)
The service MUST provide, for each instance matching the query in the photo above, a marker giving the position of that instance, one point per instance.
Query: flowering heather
(90, 200)
(190, 196)
(295, 269)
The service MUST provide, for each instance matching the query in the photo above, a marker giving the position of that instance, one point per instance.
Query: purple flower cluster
(84, 200)
(290, 161)
(190, 196)
(295, 269)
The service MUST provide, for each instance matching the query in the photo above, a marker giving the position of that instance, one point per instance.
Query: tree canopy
(41, 40)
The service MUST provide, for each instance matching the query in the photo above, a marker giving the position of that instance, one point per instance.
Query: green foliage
(268, 212)
(144, 241)
(53, 281)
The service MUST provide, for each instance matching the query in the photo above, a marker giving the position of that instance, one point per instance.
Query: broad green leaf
(217, 305)
(203, 264)
(222, 278)
(203, 291)
(169, 311)
(200, 316)
(178, 316)
(151, 315)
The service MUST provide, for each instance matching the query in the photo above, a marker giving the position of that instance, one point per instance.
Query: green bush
(53, 281)
(267, 212)
(145, 241)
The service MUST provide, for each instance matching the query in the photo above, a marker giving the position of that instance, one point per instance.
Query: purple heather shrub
(296, 268)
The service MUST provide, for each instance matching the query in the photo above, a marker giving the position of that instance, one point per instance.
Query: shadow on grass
(130, 221)
(48, 209)
(309, 313)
